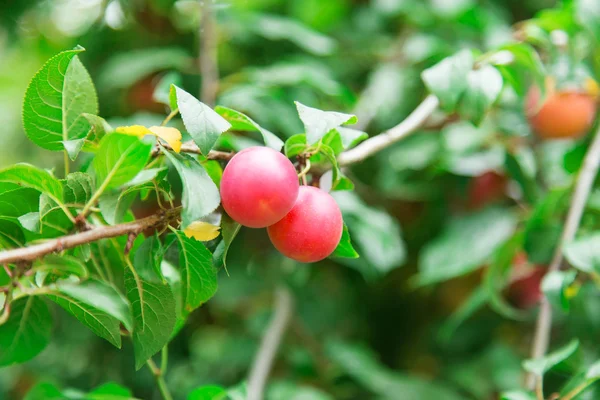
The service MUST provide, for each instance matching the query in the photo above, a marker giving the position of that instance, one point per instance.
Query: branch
(192, 148)
(34, 252)
(588, 173)
(160, 380)
(400, 131)
(208, 55)
(263, 361)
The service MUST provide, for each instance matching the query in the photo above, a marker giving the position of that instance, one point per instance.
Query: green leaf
(483, 88)
(448, 79)
(148, 258)
(208, 393)
(164, 89)
(275, 27)
(78, 188)
(10, 235)
(517, 166)
(54, 102)
(115, 204)
(26, 175)
(110, 391)
(317, 122)
(62, 266)
(344, 249)
(295, 145)
(350, 137)
(359, 362)
(376, 234)
(229, 230)
(584, 253)
(101, 296)
(44, 391)
(544, 226)
(335, 170)
(198, 276)
(154, 316)
(26, 332)
(98, 306)
(554, 286)
(593, 371)
(542, 365)
(124, 69)
(517, 395)
(241, 122)
(587, 12)
(200, 194)
(498, 274)
(202, 123)
(119, 159)
(99, 127)
(465, 244)
(525, 67)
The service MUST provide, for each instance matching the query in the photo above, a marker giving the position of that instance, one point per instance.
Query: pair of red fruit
(259, 189)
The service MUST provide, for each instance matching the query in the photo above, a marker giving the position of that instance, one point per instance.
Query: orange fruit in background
(564, 114)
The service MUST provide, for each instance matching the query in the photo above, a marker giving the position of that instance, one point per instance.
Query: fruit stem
(302, 174)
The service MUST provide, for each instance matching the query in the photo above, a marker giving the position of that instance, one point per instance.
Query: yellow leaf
(134, 130)
(591, 87)
(202, 231)
(170, 135)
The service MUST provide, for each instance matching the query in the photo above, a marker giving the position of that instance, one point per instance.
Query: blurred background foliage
(367, 328)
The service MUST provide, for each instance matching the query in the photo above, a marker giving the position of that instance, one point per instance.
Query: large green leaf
(465, 244)
(54, 101)
(241, 122)
(317, 122)
(119, 159)
(27, 331)
(26, 175)
(154, 316)
(99, 322)
(198, 275)
(448, 79)
(200, 194)
(202, 123)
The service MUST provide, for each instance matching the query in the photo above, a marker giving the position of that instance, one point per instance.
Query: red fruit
(259, 187)
(564, 114)
(525, 289)
(486, 188)
(311, 230)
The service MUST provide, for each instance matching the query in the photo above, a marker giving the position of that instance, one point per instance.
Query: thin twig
(160, 380)
(588, 173)
(398, 132)
(192, 148)
(31, 253)
(263, 361)
(208, 54)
